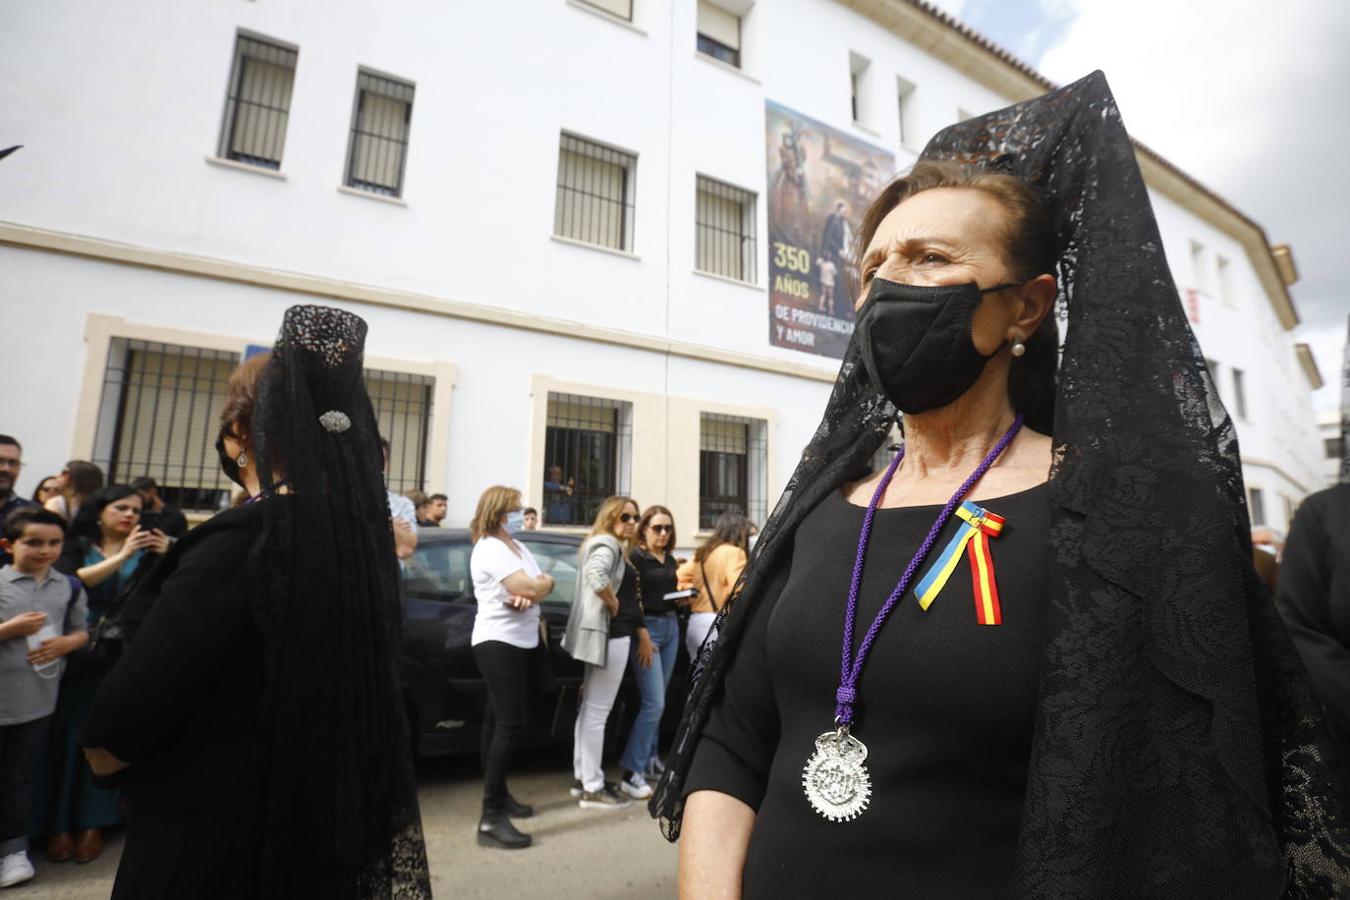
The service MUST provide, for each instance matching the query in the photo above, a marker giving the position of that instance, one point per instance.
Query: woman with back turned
(256, 711)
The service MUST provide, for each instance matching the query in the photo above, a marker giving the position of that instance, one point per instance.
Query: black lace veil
(337, 813)
(1178, 749)
(1345, 407)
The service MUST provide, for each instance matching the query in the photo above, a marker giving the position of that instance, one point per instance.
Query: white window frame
(263, 51)
(859, 68)
(746, 256)
(572, 199)
(391, 90)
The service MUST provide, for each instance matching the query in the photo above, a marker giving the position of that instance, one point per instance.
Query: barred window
(595, 193)
(403, 410)
(378, 149)
(159, 416)
(732, 468)
(1256, 502)
(719, 33)
(588, 447)
(258, 102)
(621, 8)
(883, 455)
(725, 222)
(1239, 393)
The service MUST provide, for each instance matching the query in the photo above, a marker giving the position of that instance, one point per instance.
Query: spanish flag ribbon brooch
(972, 537)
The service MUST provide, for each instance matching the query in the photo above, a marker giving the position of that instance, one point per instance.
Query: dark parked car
(442, 687)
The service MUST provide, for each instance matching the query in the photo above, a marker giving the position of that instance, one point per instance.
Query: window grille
(402, 404)
(1239, 394)
(719, 33)
(595, 199)
(732, 464)
(378, 149)
(159, 416)
(1257, 503)
(588, 445)
(725, 225)
(1332, 447)
(621, 8)
(886, 452)
(258, 103)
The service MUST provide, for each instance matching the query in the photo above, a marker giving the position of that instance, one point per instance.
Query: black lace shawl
(1178, 749)
(1345, 407)
(336, 815)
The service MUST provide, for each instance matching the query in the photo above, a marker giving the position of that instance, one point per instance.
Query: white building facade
(519, 198)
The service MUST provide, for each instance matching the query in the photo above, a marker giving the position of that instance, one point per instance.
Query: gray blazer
(586, 637)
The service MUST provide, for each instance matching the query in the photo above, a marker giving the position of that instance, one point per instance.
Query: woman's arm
(595, 572)
(522, 585)
(99, 572)
(713, 841)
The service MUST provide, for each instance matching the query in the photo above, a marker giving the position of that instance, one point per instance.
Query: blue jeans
(651, 683)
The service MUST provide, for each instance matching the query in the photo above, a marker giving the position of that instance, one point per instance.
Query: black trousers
(506, 671)
(19, 748)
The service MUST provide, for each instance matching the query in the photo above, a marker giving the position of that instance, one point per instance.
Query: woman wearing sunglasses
(655, 566)
(605, 617)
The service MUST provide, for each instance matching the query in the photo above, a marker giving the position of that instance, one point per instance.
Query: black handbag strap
(717, 607)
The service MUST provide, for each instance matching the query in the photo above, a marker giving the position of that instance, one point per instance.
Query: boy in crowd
(42, 618)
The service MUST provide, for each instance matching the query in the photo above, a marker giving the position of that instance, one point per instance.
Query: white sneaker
(576, 790)
(15, 869)
(635, 786)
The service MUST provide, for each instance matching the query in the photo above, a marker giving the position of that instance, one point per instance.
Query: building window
(883, 455)
(1256, 502)
(732, 468)
(622, 9)
(903, 103)
(1239, 394)
(1290, 507)
(402, 404)
(378, 149)
(719, 33)
(857, 72)
(1213, 367)
(258, 103)
(1199, 267)
(588, 446)
(159, 416)
(1224, 271)
(1332, 446)
(595, 194)
(724, 226)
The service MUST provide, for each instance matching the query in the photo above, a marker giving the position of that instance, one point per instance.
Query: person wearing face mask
(605, 618)
(1008, 665)
(507, 585)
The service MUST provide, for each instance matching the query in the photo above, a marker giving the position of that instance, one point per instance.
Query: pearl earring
(1019, 348)
(242, 459)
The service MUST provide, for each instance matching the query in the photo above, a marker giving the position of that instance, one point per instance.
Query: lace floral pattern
(1178, 749)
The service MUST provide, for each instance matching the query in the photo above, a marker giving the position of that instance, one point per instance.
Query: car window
(560, 561)
(439, 570)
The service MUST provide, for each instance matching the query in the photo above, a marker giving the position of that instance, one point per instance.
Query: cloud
(1248, 99)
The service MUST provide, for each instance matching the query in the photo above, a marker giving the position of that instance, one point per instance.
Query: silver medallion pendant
(835, 779)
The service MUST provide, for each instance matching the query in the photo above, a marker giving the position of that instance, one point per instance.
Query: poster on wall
(820, 182)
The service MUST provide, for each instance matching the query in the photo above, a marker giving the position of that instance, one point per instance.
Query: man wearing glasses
(11, 461)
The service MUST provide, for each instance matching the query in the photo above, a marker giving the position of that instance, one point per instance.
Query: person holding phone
(109, 551)
(507, 585)
(655, 564)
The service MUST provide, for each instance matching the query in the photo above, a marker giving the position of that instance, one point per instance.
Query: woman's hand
(520, 604)
(103, 762)
(53, 649)
(137, 540)
(158, 542)
(22, 625)
(646, 650)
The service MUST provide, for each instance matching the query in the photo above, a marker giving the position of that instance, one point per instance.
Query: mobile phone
(680, 595)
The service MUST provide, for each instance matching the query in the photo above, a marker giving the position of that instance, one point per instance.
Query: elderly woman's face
(946, 236)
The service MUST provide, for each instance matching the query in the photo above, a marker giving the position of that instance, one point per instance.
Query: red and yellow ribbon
(973, 536)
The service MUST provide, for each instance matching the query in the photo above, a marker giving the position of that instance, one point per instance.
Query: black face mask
(227, 464)
(916, 341)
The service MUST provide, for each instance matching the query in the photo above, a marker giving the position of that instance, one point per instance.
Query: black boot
(496, 830)
(517, 810)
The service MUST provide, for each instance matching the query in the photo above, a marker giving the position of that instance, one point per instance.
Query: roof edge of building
(971, 53)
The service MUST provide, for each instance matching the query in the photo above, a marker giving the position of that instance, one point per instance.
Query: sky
(1247, 96)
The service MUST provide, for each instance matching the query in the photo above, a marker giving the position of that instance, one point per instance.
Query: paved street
(594, 855)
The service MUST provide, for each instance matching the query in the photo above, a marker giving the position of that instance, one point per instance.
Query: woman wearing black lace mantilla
(1031, 657)
(256, 710)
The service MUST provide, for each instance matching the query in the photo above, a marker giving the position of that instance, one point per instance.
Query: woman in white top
(508, 586)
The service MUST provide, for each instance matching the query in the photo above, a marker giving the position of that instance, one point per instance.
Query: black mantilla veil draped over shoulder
(337, 814)
(1178, 749)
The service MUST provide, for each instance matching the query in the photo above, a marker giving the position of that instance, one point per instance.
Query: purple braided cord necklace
(850, 668)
